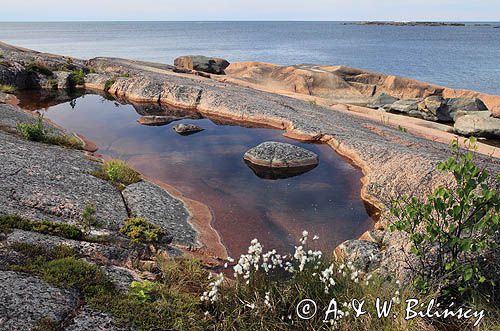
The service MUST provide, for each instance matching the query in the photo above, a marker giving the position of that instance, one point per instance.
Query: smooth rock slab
(187, 129)
(25, 299)
(145, 199)
(478, 124)
(273, 154)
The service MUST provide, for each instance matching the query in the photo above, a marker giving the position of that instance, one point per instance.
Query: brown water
(208, 166)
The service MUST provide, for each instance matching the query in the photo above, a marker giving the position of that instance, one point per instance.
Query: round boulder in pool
(282, 156)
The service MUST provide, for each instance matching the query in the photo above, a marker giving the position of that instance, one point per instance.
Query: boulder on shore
(273, 154)
(206, 64)
(478, 124)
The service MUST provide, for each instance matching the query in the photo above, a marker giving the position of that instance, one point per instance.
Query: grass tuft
(7, 88)
(37, 132)
(8, 222)
(118, 172)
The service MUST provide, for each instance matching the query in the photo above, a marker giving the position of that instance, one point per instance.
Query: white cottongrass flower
(213, 294)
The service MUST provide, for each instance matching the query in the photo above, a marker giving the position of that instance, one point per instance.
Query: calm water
(209, 167)
(458, 57)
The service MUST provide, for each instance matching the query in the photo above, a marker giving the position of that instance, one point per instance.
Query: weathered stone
(62, 79)
(92, 251)
(407, 106)
(364, 255)
(89, 319)
(145, 199)
(25, 300)
(456, 105)
(202, 63)
(187, 129)
(281, 155)
(478, 124)
(384, 100)
(156, 120)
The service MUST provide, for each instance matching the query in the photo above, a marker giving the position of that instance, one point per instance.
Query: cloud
(52, 10)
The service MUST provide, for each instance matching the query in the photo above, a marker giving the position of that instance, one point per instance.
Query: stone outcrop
(187, 129)
(202, 63)
(160, 208)
(273, 154)
(25, 300)
(346, 85)
(480, 124)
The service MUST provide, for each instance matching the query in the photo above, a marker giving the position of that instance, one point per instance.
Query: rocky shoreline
(45, 182)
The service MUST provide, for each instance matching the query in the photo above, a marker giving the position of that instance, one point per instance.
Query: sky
(210, 10)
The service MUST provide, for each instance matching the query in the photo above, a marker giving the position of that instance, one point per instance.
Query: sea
(465, 57)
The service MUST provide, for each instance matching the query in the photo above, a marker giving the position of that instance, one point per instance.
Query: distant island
(406, 23)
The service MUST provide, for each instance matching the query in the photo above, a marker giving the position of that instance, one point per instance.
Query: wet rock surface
(281, 155)
(187, 129)
(148, 200)
(25, 300)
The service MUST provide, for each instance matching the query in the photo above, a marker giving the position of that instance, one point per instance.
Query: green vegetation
(37, 132)
(88, 219)
(402, 129)
(117, 172)
(171, 303)
(454, 228)
(38, 67)
(64, 230)
(141, 230)
(54, 85)
(76, 78)
(7, 88)
(47, 324)
(108, 84)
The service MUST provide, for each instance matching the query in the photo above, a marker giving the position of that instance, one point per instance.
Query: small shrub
(38, 67)
(108, 84)
(142, 291)
(72, 273)
(76, 78)
(7, 89)
(453, 228)
(64, 230)
(141, 230)
(32, 131)
(88, 219)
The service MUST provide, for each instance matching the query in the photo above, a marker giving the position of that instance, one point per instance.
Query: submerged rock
(478, 124)
(273, 154)
(187, 129)
(202, 63)
(156, 120)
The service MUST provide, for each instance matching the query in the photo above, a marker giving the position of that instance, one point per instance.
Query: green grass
(8, 222)
(118, 172)
(108, 84)
(7, 88)
(37, 132)
(38, 67)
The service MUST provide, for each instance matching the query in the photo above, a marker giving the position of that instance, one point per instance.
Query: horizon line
(251, 20)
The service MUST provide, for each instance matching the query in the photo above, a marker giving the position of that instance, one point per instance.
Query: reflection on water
(209, 167)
